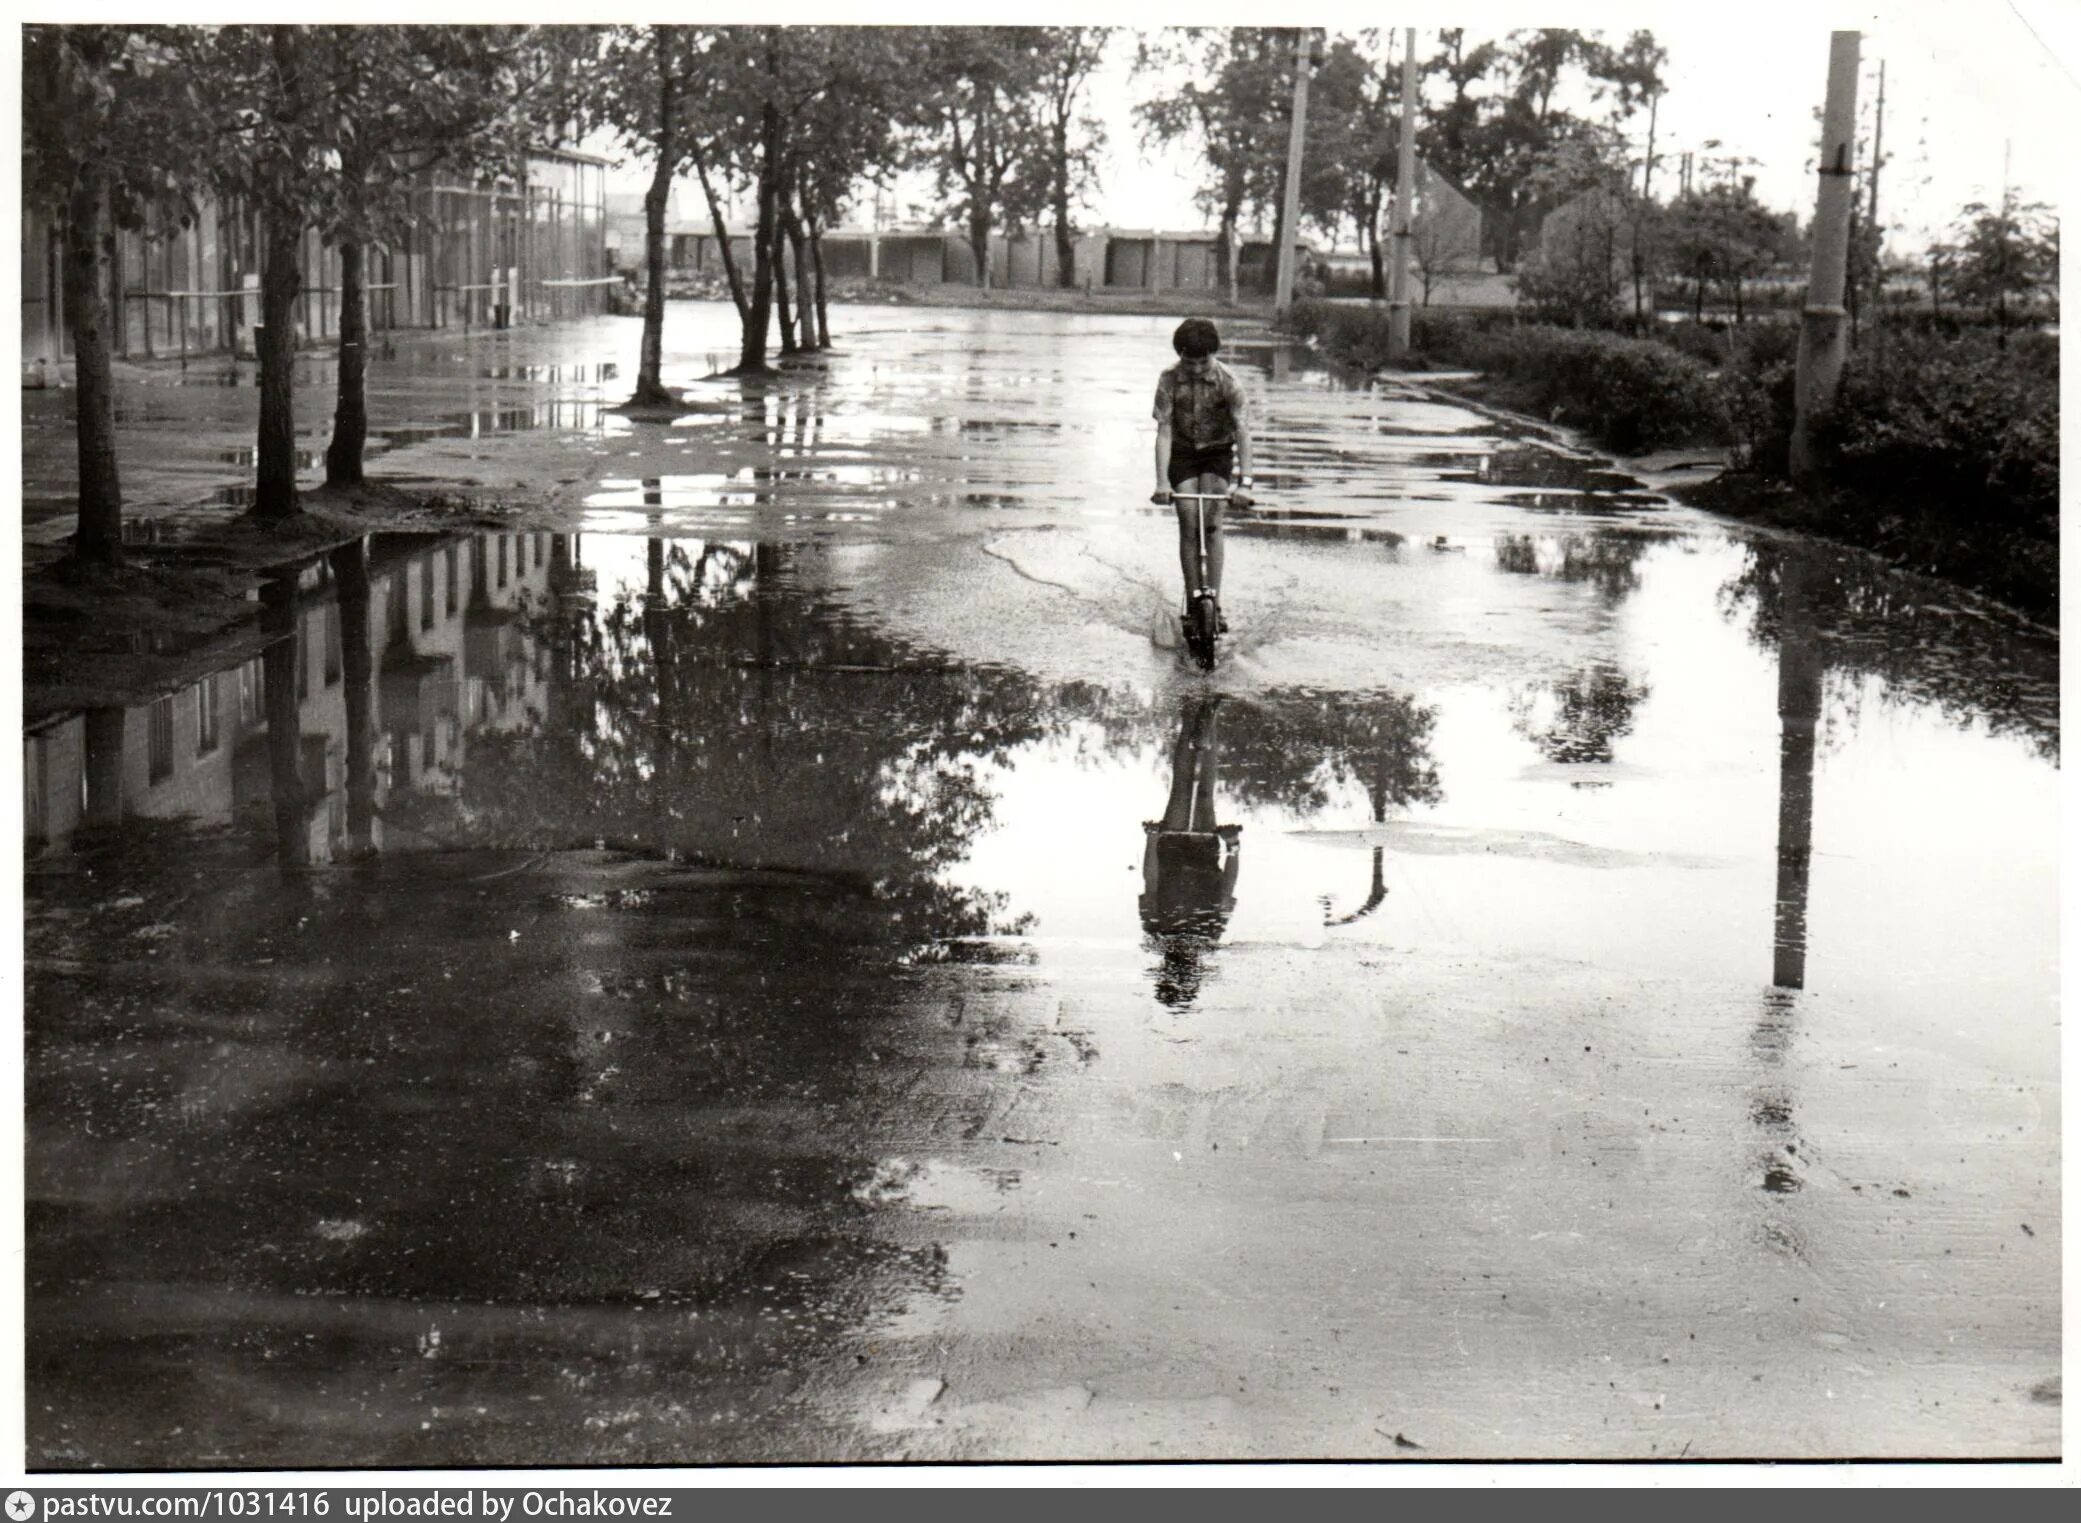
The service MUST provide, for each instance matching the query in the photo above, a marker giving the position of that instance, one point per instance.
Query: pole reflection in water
(1800, 670)
(1375, 896)
(1799, 710)
(1189, 860)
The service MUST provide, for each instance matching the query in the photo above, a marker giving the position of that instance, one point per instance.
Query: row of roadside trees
(1495, 120)
(335, 128)
(322, 127)
(1527, 123)
(802, 116)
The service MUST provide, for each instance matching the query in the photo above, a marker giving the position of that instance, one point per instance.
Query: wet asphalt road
(806, 1002)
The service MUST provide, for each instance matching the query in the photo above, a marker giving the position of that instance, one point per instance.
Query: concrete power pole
(1878, 159)
(1405, 199)
(1303, 54)
(1822, 335)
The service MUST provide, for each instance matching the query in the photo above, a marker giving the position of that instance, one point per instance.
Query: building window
(160, 733)
(252, 694)
(207, 732)
(426, 593)
(334, 657)
(33, 785)
(503, 551)
(454, 581)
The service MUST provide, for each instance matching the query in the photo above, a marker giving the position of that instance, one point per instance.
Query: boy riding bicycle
(1202, 434)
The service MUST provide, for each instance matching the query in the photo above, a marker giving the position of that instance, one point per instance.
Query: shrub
(1629, 394)
(1942, 449)
(1959, 424)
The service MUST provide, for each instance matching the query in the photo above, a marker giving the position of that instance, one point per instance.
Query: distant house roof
(570, 156)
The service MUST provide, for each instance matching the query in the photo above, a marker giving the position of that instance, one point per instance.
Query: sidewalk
(185, 433)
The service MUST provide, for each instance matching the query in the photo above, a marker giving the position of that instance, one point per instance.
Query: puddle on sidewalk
(766, 994)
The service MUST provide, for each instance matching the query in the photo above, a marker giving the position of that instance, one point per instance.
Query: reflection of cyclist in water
(1189, 863)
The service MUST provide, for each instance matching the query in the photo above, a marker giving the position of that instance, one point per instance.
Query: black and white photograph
(758, 739)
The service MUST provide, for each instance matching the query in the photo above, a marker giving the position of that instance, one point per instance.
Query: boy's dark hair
(1196, 338)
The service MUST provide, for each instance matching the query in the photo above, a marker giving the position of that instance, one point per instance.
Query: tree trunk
(816, 259)
(722, 240)
(350, 576)
(1638, 261)
(1698, 299)
(752, 352)
(781, 293)
(1065, 240)
(350, 416)
(650, 385)
(284, 724)
(979, 246)
(1740, 316)
(1231, 256)
(274, 495)
(1379, 260)
(100, 536)
(805, 288)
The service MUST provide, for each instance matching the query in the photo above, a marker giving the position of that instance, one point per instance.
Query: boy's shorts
(1187, 462)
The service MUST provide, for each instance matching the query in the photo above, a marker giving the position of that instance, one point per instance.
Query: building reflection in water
(347, 731)
(1189, 860)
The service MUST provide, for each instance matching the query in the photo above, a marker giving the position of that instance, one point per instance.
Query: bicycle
(1202, 610)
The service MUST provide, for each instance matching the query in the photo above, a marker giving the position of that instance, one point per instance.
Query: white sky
(1961, 83)
(1962, 80)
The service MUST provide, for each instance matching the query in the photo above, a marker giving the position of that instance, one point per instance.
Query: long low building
(1103, 259)
(531, 248)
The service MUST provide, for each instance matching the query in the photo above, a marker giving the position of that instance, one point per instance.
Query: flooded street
(777, 957)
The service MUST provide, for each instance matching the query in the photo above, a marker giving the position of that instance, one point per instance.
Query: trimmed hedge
(1629, 394)
(1942, 450)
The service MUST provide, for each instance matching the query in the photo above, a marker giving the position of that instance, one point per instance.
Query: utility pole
(1647, 170)
(1303, 58)
(1878, 159)
(1822, 333)
(1405, 199)
(1647, 201)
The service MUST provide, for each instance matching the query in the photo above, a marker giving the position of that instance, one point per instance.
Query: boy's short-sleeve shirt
(1203, 410)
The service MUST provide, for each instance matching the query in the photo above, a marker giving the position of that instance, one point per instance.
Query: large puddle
(706, 968)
